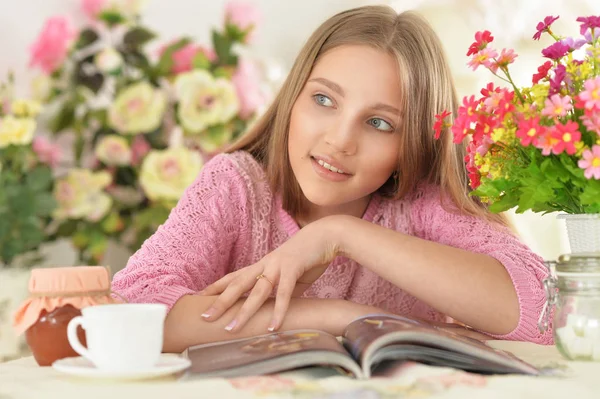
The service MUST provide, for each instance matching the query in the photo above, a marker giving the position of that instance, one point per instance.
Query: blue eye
(323, 100)
(380, 124)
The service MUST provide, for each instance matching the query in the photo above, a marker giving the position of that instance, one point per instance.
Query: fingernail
(272, 326)
(231, 325)
(208, 313)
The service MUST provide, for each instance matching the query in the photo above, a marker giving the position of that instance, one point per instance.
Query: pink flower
(485, 57)
(566, 136)
(557, 106)
(529, 130)
(588, 23)
(556, 51)
(52, 45)
(591, 163)
(560, 76)
(244, 15)
(482, 39)
(591, 93)
(591, 120)
(46, 152)
(544, 26)
(547, 141)
(246, 81)
(91, 8)
(139, 148)
(182, 58)
(506, 57)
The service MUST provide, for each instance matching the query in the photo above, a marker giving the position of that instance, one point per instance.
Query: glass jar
(57, 295)
(573, 294)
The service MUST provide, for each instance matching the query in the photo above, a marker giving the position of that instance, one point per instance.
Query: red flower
(543, 26)
(482, 39)
(489, 89)
(529, 130)
(439, 123)
(542, 72)
(566, 136)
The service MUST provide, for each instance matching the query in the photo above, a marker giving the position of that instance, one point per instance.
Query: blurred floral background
(110, 108)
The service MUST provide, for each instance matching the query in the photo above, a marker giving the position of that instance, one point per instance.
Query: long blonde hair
(427, 87)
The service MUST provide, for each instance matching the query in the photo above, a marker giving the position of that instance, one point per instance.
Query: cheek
(303, 128)
(381, 158)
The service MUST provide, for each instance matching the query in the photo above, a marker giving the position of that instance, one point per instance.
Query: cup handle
(74, 339)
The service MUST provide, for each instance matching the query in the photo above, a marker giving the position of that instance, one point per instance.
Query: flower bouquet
(26, 200)
(537, 147)
(141, 123)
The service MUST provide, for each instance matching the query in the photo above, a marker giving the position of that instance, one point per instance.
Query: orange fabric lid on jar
(50, 288)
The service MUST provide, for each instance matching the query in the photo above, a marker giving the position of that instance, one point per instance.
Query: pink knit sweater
(229, 218)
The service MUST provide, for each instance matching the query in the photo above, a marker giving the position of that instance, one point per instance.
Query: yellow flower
(581, 72)
(18, 131)
(25, 108)
(504, 135)
(80, 195)
(41, 86)
(204, 101)
(580, 147)
(166, 174)
(137, 109)
(539, 93)
(113, 150)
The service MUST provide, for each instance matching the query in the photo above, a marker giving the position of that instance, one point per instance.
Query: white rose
(108, 60)
(204, 101)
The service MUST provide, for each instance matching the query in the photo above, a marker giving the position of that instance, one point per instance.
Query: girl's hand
(301, 259)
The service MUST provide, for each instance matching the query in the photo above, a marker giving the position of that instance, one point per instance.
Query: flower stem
(517, 92)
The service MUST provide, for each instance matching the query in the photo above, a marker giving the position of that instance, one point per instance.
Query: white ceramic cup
(120, 337)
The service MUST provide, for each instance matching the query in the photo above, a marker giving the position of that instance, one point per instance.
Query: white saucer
(168, 364)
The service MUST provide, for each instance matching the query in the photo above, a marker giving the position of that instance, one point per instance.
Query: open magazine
(369, 345)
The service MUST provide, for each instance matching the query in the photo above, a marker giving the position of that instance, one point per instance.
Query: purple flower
(588, 35)
(588, 23)
(543, 26)
(556, 51)
(573, 44)
(560, 73)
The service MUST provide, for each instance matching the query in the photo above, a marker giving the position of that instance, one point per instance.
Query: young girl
(338, 203)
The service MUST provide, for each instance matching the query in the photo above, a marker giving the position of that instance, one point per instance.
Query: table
(24, 379)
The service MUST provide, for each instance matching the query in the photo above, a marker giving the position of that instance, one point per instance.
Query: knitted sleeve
(193, 247)
(526, 269)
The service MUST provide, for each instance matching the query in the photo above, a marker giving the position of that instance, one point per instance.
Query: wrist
(336, 229)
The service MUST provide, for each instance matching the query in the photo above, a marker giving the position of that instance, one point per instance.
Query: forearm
(473, 288)
(185, 327)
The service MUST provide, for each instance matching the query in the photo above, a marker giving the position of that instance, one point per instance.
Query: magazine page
(269, 353)
(377, 338)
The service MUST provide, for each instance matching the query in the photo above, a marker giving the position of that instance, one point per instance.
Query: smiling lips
(328, 171)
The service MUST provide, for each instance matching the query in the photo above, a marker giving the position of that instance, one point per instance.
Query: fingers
(220, 285)
(233, 291)
(260, 293)
(285, 289)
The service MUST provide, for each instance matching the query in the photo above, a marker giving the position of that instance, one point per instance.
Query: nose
(342, 138)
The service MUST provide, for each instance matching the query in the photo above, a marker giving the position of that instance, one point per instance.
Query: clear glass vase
(573, 294)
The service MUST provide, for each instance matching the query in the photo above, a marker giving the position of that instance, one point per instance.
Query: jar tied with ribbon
(57, 295)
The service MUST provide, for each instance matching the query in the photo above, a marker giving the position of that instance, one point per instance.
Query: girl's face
(343, 139)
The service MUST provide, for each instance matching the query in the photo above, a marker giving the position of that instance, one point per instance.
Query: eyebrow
(338, 89)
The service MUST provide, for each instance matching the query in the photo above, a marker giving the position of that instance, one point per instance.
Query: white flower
(18, 131)
(166, 174)
(113, 150)
(80, 195)
(138, 108)
(204, 101)
(108, 60)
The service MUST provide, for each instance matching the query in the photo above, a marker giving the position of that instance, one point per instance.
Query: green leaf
(93, 82)
(165, 63)
(222, 46)
(86, 37)
(64, 118)
(137, 37)
(591, 194)
(200, 61)
(44, 204)
(39, 179)
(111, 17)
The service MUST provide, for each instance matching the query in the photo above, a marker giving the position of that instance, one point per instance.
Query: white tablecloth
(23, 379)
